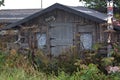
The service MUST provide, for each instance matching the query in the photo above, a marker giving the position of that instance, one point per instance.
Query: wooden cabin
(59, 27)
(10, 16)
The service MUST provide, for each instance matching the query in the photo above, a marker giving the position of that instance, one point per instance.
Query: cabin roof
(14, 15)
(79, 10)
(91, 14)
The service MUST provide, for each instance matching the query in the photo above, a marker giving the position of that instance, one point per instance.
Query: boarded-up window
(63, 38)
(41, 38)
(86, 40)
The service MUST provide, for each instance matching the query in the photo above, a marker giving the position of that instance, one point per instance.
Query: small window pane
(86, 40)
(41, 38)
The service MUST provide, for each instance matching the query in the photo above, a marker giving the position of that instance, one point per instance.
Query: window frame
(81, 33)
(38, 44)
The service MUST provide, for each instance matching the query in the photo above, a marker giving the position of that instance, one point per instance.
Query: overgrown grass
(20, 74)
(90, 73)
(67, 66)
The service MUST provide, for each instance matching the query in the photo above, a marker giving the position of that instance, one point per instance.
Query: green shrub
(65, 67)
(114, 76)
(20, 74)
(2, 60)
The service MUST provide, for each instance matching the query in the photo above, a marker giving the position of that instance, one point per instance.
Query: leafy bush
(67, 66)
(64, 62)
(2, 60)
(20, 74)
(10, 60)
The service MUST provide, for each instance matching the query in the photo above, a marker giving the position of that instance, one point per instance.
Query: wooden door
(61, 38)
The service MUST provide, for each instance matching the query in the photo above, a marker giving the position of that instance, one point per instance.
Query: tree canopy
(100, 3)
(1, 2)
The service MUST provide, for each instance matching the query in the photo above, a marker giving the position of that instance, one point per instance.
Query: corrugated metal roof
(13, 15)
(80, 11)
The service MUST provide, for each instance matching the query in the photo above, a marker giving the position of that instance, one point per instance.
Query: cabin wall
(58, 30)
(61, 37)
(63, 30)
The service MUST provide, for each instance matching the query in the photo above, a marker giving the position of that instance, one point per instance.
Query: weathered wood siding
(63, 32)
(61, 37)
(86, 32)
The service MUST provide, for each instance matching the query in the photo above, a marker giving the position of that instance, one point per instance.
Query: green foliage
(2, 2)
(20, 74)
(97, 46)
(91, 73)
(63, 76)
(8, 60)
(99, 3)
(2, 59)
(117, 16)
(67, 66)
(107, 61)
(95, 3)
(64, 62)
(115, 76)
